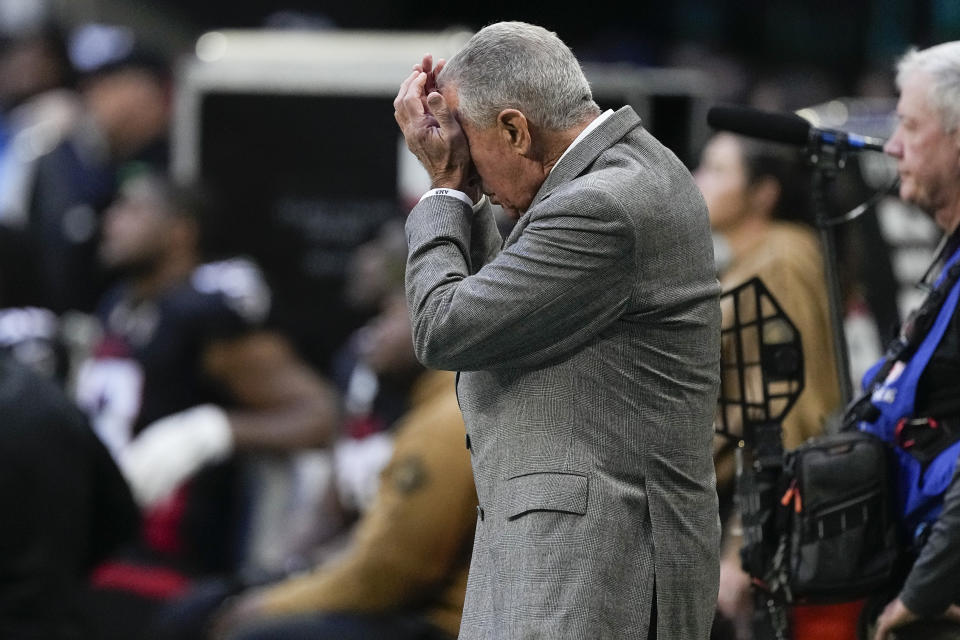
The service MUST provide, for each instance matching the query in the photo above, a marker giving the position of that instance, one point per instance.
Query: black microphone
(788, 128)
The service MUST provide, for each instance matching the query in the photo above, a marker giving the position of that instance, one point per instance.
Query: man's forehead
(916, 86)
(914, 94)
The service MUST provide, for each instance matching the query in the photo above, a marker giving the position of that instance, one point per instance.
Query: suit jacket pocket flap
(565, 492)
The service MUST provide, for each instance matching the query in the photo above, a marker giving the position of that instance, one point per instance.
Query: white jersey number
(109, 390)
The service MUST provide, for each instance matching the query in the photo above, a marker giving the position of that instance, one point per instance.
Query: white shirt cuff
(459, 195)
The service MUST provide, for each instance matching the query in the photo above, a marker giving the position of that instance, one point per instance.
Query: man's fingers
(440, 111)
(398, 101)
(404, 90)
(415, 94)
(411, 90)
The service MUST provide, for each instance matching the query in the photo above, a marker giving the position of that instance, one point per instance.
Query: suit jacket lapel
(580, 157)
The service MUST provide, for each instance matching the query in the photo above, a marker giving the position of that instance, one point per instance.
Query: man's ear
(514, 129)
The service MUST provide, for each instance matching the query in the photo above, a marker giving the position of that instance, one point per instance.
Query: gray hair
(942, 64)
(515, 65)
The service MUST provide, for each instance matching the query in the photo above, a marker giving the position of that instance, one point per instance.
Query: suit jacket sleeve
(549, 292)
(485, 239)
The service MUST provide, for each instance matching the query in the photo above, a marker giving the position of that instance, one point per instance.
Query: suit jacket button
(468, 441)
(480, 512)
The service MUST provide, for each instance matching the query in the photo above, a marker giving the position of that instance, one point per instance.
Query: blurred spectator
(65, 504)
(755, 194)
(186, 374)
(65, 507)
(327, 491)
(374, 396)
(404, 571)
(375, 269)
(37, 110)
(126, 101)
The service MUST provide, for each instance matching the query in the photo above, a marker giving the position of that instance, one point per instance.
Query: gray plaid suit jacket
(588, 347)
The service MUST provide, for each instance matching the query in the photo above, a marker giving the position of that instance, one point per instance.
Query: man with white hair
(911, 397)
(587, 343)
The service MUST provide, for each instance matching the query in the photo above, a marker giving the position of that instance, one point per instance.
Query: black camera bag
(839, 531)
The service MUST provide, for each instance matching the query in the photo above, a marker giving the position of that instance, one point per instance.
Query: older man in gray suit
(588, 343)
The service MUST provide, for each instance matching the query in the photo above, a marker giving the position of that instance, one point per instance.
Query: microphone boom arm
(827, 160)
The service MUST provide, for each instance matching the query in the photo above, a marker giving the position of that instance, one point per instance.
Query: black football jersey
(148, 363)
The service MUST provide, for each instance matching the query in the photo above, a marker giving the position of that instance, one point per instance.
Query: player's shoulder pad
(241, 284)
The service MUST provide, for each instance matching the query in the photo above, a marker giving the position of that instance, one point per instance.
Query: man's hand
(734, 597)
(432, 132)
(431, 70)
(894, 615)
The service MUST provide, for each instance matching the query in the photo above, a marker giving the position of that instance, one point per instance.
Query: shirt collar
(583, 134)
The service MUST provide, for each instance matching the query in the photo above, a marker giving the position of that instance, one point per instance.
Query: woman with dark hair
(757, 198)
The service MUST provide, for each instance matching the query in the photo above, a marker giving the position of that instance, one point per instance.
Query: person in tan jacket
(756, 195)
(404, 572)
